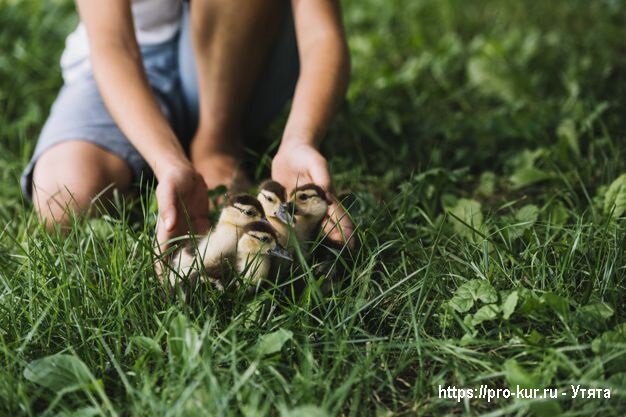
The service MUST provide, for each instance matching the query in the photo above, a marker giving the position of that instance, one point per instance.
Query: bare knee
(70, 177)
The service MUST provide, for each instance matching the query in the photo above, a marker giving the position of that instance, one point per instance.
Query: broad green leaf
(467, 294)
(58, 372)
(610, 339)
(531, 302)
(523, 177)
(468, 320)
(527, 215)
(611, 345)
(525, 218)
(615, 197)
(526, 158)
(273, 342)
(487, 184)
(485, 313)
(468, 338)
(535, 338)
(597, 311)
(463, 300)
(305, 411)
(515, 375)
(485, 292)
(467, 216)
(567, 134)
(101, 228)
(557, 302)
(146, 344)
(482, 74)
(558, 214)
(183, 342)
(508, 306)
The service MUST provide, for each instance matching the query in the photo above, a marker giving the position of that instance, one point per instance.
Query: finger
(164, 237)
(339, 226)
(166, 199)
(320, 175)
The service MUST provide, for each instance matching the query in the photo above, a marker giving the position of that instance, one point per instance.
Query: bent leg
(230, 44)
(73, 175)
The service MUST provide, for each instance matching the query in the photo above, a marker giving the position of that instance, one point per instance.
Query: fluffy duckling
(256, 246)
(221, 242)
(309, 205)
(271, 196)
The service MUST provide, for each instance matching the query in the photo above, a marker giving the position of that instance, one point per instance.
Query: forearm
(324, 76)
(121, 79)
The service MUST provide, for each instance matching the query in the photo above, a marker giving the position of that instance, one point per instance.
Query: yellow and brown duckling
(305, 210)
(272, 195)
(220, 243)
(255, 249)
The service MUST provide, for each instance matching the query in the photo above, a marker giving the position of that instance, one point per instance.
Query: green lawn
(482, 152)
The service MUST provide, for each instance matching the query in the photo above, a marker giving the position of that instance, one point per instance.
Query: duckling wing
(219, 245)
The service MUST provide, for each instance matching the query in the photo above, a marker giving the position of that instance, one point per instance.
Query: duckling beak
(284, 213)
(264, 220)
(280, 252)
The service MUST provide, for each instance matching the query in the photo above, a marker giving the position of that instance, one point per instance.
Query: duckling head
(260, 238)
(241, 210)
(271, 195)
(308, 204)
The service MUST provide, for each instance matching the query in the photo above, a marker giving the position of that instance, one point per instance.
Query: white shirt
(156, 21)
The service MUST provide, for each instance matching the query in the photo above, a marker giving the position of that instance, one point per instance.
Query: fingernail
(169, 223)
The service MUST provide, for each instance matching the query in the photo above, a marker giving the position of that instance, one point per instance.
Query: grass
(482, 148)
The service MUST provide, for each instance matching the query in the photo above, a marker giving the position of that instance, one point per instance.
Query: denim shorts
(79, 113)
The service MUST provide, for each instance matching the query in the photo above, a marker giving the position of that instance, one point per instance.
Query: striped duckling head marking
(260, 238)
(308, 203)
(241, 210)
(271, 195)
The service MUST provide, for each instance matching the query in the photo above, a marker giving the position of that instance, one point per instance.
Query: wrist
(168, 163)
(299, 137)
(289, 146)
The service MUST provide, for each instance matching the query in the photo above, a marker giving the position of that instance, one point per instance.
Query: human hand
(301, 164)
(183, 203)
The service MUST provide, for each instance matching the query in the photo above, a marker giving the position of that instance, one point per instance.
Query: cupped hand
(301, 164)
(183, 204)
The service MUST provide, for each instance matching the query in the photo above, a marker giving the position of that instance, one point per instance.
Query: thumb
(166, 199)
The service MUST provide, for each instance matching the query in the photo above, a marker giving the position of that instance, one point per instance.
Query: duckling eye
(265, 239)
(249, 213)
(268, 198)
(303, 197)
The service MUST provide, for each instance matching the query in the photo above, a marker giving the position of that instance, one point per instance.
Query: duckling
(221, 242)
(309, 205)
(257, 244)
(272, 195)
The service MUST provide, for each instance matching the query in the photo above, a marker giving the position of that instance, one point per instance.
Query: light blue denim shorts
(79, 113)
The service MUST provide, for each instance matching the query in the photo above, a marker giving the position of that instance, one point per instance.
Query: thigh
(274, 87)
